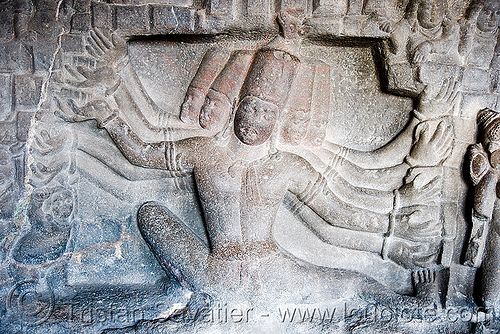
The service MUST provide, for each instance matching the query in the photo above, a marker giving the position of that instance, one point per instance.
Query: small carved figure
(480, 33)
(479, 45)
(427, 29)
(482, 249)
(427, 35)
(49, 214)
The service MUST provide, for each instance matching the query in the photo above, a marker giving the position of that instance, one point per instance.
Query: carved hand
(436, 105)
(420, 224)
(416, 193)
(385, 24)
(82, 77)
(422, 52)
(408, 253)
(98, 110)
(430, 149)
(112, 50)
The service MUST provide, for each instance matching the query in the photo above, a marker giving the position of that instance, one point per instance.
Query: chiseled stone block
(5, 96)
(27, 89)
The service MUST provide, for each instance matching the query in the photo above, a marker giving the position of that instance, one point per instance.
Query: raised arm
(389, 155)
(122, 84)
(161, 155)
(136, 151)
(426, 140)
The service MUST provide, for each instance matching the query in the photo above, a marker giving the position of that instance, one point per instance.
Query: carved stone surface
(249, 166)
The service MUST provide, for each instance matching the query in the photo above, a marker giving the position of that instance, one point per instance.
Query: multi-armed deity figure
(242, 177)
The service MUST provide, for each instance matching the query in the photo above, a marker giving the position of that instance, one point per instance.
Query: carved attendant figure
(484, 242)
(426, 29)
(479, 43)
(480, 33)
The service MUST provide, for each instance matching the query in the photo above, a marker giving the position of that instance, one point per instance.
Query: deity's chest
(259, 182)
(215, 179)
(264, 182)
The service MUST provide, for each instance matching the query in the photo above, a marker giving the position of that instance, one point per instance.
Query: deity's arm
(160, 155)
(136, 151)
(361, 198)
(386, 179)
(391, 154)
(334, 235)
(341, 224)
(310, 155)
(334, 221)
(325, 161)
(124, 90)
(311, 190)
(120, 81)
(128, 93)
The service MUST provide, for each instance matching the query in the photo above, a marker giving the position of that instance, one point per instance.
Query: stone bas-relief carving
(481, 248)
(178, 166)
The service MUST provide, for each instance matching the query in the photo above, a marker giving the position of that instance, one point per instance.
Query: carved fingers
(431, 148)
(65, 111)
(112, 49)
(408, 253)
(442, 140)
(419, 223)
(433, 104)
(422, 187)
(71, 112)
(386, 25)
(414, 193)
(448, 92)
(422, 52)
(84, 77)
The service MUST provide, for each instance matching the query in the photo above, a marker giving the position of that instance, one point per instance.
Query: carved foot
(426, 283)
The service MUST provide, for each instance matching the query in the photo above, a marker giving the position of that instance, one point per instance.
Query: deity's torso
(240, 198)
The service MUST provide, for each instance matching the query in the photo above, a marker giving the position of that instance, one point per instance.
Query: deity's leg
(178, 249)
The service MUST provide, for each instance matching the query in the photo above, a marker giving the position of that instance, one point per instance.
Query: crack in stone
(43, 98)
